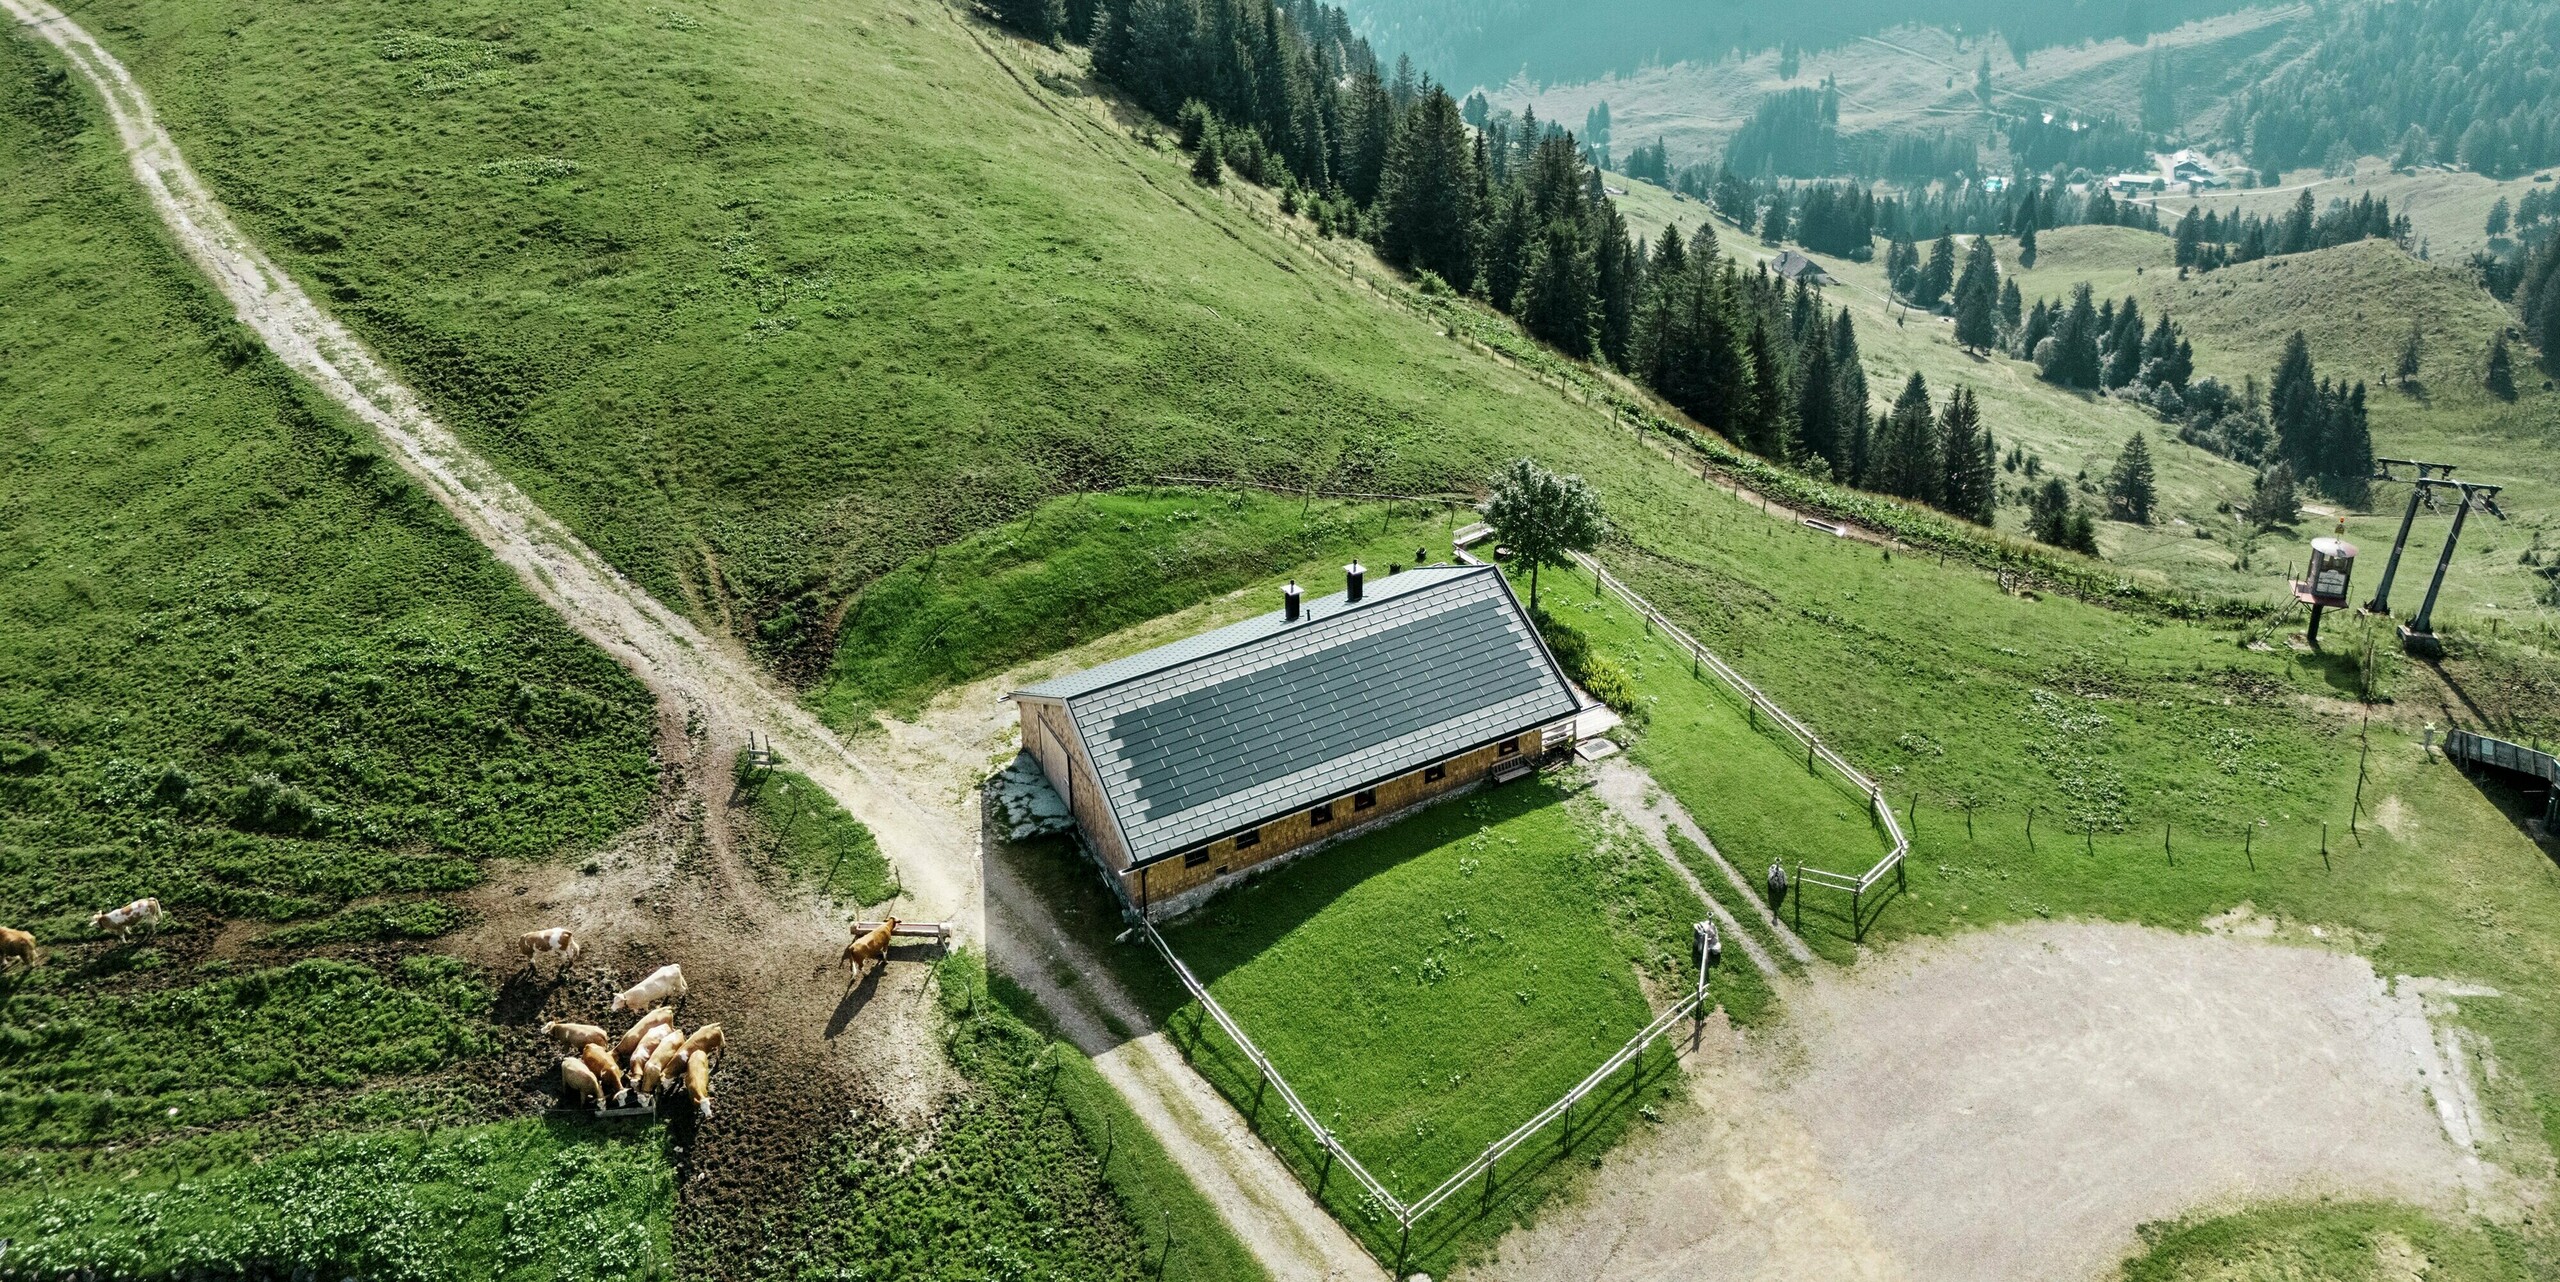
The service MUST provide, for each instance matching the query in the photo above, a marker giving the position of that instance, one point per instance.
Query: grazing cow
(706, 1040)
(120, 921)
(608, 1075)
(662, 984)
(21, 946)
(558, 939)
(658, 1018)
(869, 947)
(582, 1083)
(647, 1049)
(573, 1036)
(697, 1084)
(664, 1059)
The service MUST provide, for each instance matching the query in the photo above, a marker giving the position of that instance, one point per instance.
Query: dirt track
(695, 901)
(2011, 1104)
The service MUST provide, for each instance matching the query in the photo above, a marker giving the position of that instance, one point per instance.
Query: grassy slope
(2449, 209)
(796, 291)
(267, 678)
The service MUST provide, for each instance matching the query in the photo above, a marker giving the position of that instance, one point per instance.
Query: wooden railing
(1898, 846)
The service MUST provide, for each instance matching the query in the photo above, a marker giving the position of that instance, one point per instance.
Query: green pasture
(767, 299)
(1080, 568)
(2333, 1241)
(812, 842)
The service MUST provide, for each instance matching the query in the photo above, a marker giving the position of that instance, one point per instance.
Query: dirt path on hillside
(2011, 1104)
(704, 907)
(1630, 791)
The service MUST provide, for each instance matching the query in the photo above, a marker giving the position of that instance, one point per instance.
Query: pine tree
(1907, 462)
(2190, 238)
(2548, 328)
(2131, 488)
(2073, 361)
(1767, 430)
(2272, 501)
(1773, 219)
(2348, 476)
(1206, 165)
(1559, 294)
(2412, 349)
(1940, 275)
(2124, 348)
(2294, 409)
(1817, 406)
(1426, 214)
(1971, 488)
(2022, 224)
(2501, 380)
(1977, 305)
(2011, 305)
(1848, 399)
(2053, 518)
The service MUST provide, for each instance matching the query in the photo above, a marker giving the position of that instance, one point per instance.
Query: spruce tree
(1817, 405)
(2272, 501)
(2294, 408)
(2412, 351)
(2501, 380)
(2074, 359)
(1559, 294)
(2131, 488)
(1940, 275)
(1426, 214)
(1848, 399)
(2124, 348)
(1206, 165)
(1907, 461)
(1977, 302)
(1766, 431)
(2023, 225)
(2348, 477)
(1971, 487)
(2012, 307)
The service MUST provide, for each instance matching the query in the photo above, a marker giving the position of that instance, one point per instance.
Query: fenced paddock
(1427, 1113)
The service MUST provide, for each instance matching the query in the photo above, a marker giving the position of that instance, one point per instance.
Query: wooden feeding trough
(2323, 585)
(940, 932)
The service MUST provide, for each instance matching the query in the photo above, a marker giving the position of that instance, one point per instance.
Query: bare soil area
(2011, 1104)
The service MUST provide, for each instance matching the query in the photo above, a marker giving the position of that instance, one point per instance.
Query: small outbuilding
(1191, 764)
(1793, 266)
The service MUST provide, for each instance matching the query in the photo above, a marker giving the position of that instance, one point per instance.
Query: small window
(1196, 858)
(1322, 814)
(1510, 748)
(1248, 839)
(1364, 799)
(1435, 773)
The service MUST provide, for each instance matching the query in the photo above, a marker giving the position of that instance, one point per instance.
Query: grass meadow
(766, 299)
(248, 669)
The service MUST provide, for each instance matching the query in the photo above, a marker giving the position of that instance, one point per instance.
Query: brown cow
(21, 946)
(573, 1036)
(582, 1084)
(658, 1017)
(608, 1075)
(647, 1049)
(697, 1084)
(869, 947)
(706, 1040)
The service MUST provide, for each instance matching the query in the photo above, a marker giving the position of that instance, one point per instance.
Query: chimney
(1289, 602)
(1353, 575)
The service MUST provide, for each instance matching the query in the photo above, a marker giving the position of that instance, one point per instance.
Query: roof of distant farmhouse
(1207, 736)
(1795, 266)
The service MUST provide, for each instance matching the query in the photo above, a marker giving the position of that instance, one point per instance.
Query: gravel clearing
(2010, 1104)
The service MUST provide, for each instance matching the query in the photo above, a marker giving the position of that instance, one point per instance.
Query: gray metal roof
(1201, 737)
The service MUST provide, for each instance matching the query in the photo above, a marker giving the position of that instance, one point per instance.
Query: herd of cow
(650, 1056)
(20, 947)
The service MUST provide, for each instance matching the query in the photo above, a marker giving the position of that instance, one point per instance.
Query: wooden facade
(1175, 884)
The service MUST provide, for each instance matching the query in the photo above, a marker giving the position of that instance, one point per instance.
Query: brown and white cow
(658, 1017)
(663, 984)
(581, 1082)
(608, 1075)
(697, 1084)
(558, 939)
(647, 1049)
(573, 1037)
(660, 1061)
(870, 946)
(706, 1041)
(19, 946)
(120, 922)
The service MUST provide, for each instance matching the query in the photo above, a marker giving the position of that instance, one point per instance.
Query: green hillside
(247, 668)
(764, 298)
